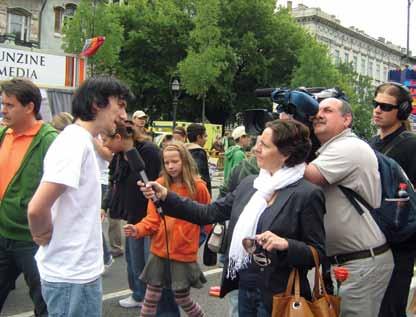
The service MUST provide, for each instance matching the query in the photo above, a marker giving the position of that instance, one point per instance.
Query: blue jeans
(73, 300)
(250, 303)
(17, 257)
(137, 253)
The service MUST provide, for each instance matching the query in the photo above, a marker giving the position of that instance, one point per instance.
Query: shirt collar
(32, 131)
(346, 133)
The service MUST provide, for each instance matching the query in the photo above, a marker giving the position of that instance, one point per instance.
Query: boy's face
(108, 117)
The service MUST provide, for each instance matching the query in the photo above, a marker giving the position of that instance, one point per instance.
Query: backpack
(391, 175)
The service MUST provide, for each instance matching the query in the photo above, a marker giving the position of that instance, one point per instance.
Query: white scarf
(246, 225)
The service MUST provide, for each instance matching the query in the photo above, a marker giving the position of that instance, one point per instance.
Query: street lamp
(175, 89)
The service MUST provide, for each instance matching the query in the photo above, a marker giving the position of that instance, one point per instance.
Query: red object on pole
(92, 45)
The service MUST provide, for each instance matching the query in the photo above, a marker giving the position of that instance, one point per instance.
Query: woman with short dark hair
(278, 209)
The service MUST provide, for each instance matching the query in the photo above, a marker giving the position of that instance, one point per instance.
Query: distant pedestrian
(197, 136)
(235, 154)
(179, 134)
(140, 120)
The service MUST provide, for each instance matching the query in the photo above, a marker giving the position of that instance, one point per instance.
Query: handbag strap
(297, 285)
(319, 287)
(293, 280)
(290, 282)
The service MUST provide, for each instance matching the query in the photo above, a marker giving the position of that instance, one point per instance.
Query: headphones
(405, 107)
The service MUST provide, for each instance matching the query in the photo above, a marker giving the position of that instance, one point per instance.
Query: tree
(206, 57)
(90, 21)
(315, 67)
(263, 48)
(156, 39)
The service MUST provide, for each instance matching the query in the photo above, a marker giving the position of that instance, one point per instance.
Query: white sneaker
(109, 264)
(129, 302)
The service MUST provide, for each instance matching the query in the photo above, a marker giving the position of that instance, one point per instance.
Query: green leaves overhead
(222, 51)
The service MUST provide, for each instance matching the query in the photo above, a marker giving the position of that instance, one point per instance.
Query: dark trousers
(395, 299)
(18, 257)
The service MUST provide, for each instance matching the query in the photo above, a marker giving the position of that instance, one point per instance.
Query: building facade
(35, 23)
(369, 56)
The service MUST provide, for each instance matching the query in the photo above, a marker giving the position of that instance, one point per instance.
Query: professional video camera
(302, 103)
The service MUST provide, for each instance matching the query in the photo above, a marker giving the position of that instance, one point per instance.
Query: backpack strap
(396, 141)
(352, 196)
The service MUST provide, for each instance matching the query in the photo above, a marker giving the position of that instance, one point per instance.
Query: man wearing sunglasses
(392, 106)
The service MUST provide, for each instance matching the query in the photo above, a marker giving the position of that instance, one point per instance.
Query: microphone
(137, 165)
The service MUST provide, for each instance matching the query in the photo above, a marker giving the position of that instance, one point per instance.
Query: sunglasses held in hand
(251, 246)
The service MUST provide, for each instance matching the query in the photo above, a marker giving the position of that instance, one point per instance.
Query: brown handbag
(294, 305)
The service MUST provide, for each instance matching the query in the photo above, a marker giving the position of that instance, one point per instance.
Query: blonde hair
(189, 168)
(61, 120)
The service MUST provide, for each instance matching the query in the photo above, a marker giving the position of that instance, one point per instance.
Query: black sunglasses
(386, 107)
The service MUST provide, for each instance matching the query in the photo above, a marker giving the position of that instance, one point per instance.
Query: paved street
(19, 304)
(115, 287)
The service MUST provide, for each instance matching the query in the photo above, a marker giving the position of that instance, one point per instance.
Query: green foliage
(156, 39)
(222, 50)
(92, 20)
(315, 68)
(206, 57)
(360, 92)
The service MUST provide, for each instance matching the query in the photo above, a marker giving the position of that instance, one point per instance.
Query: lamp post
(175, 89)
(409, 3)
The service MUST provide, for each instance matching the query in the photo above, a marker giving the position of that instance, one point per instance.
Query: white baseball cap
(238, 132)
(139, 114)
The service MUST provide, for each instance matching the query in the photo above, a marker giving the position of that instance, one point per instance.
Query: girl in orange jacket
(174, 246)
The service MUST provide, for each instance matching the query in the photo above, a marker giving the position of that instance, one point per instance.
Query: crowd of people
(59, 180)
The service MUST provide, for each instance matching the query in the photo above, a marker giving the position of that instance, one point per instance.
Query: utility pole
(409, 3)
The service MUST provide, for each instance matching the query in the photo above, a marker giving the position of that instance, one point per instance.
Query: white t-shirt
(103, 166)
(74, 254)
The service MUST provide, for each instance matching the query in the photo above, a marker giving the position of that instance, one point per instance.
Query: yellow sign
(212, 130)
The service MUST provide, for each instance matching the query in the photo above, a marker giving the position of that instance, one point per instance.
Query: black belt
(342, 258)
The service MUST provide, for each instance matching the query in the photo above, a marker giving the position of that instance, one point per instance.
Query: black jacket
(125, 200)
(298, 215)
(201, 160)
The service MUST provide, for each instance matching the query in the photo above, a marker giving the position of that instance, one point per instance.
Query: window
(59, 14)
(370, 69)
(62, 14)
(19, 24)
(346, 57)
(355, 63)
(69, 11)
(336, 56)
(363, 66)
(378, 74)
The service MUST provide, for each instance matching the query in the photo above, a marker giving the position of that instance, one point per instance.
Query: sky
(377, 18)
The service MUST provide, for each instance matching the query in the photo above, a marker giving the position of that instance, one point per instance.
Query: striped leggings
(182, 298)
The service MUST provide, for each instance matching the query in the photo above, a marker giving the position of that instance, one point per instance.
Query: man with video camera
(353, 241)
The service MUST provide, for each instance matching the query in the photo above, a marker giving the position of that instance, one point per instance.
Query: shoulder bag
(291, 304)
